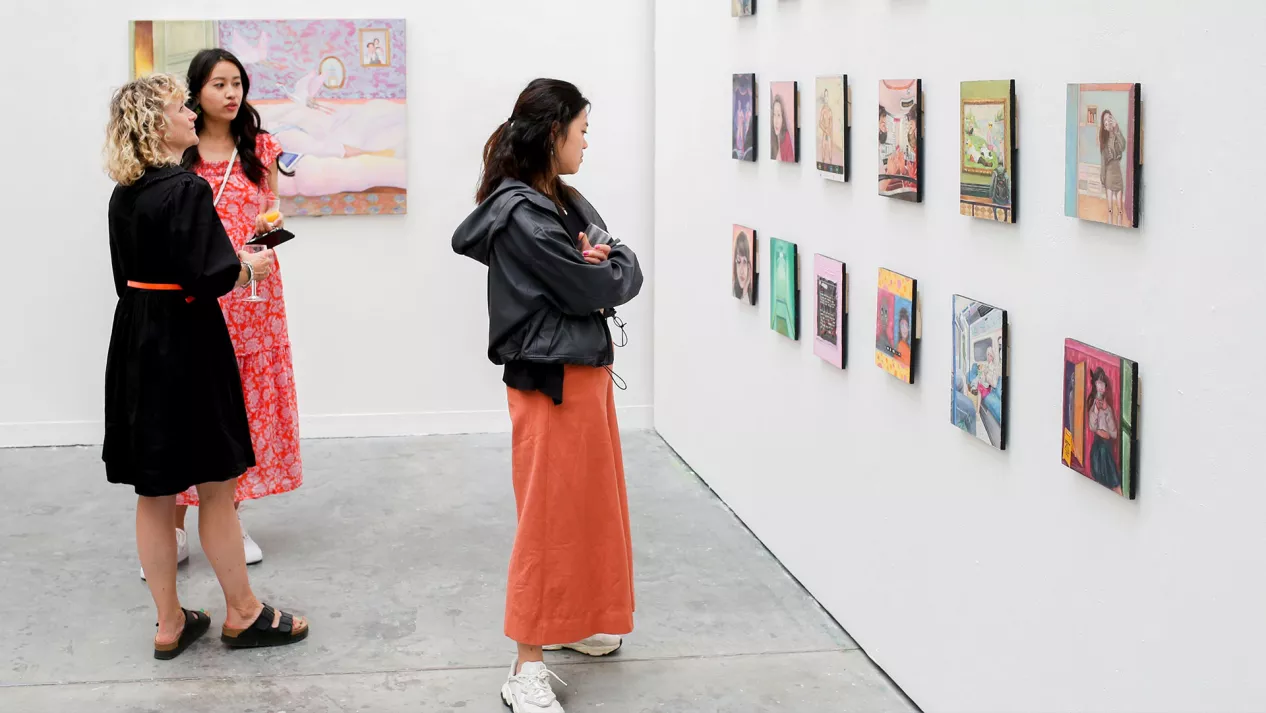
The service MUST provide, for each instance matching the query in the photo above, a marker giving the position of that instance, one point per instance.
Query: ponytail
(521, 148)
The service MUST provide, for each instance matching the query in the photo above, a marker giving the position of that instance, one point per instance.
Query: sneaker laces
(536, 687)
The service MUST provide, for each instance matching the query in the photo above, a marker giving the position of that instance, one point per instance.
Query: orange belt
(162, 287)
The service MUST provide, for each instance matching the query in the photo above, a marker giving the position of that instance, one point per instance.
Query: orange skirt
(571, 572)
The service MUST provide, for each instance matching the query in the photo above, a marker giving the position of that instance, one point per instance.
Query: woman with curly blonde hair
(175, 416)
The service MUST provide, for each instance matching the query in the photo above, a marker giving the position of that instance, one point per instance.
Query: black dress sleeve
(578, 288)
(202, 254)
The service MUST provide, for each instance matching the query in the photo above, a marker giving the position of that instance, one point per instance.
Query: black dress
(174, 411)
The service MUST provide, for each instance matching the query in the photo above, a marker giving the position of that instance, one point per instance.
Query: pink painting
(333, 92)
(830, 288)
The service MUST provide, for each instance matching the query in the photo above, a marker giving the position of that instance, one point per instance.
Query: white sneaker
(182, 548)
(596, 645)
(254, 555)
(529, 691)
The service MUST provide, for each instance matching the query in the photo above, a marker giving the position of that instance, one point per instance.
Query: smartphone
(272, 239)
(287, 160)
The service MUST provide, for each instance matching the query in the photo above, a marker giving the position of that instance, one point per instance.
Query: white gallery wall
(984, 580)
(389, 326)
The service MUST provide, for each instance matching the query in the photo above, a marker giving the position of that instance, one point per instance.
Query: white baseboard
(51, 433)
(367, 425)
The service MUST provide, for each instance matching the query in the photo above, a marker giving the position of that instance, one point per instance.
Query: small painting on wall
(895, 324)
(831, 98)
(1101, 175)
(987, 151)
(784, 122)
(1100, 416)
(743, 264)
(784, 289)
(978, 401)
(744, 118)
(900, 138)
(830, 333)
(742, 8)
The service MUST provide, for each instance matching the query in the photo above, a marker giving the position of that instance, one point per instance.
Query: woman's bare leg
(157, 548)
(181, 511)
(528, 654)
(221, 537)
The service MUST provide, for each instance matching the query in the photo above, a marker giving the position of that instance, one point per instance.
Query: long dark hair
(1104, 135)
(1096, 376)
(741, 248)
(245, 127)
(777, 141)
(522, 148)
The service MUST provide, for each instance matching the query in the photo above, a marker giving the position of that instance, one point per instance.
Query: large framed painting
(333, 92)
(1102, 172)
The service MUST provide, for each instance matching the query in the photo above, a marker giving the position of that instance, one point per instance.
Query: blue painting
(979, 375)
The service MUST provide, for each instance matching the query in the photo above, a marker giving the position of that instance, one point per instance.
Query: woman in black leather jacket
(549, 294)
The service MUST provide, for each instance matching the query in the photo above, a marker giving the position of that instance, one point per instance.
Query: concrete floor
(396, 550)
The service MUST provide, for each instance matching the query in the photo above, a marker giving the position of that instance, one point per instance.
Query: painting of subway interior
(978, 398)
(1100, 415)
(784, 289)
(895, 315)
(900, 139)
(333, 92)
(831, 115)
(1101, 178)
(743, 139)
(987, 152)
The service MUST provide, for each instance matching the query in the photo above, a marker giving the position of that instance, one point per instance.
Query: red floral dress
(261, 340)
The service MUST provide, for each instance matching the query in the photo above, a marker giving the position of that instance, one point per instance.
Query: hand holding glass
(254, 295)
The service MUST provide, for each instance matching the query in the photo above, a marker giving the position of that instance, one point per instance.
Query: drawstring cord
(616, 379)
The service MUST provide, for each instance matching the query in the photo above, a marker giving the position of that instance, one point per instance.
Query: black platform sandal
(196, 624)
(262, 633)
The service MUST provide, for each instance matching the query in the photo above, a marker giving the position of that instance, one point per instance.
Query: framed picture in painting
(900, 139)
(896, 324)
(743, 108)
(784, 122)
(831, 129)
(375, 47)
(830, 333)
(743, 264)
(978, 397)
(1100, 417)
(784, 289)
(1102, 164)
(987, 151)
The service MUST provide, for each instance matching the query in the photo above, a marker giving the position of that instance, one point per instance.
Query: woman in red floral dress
(229, 133)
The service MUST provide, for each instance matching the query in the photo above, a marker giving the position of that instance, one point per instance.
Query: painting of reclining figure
(333, 93)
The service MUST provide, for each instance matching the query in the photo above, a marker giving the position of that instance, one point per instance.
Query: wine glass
(254, 295)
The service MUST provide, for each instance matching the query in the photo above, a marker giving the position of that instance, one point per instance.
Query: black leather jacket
(544, 300)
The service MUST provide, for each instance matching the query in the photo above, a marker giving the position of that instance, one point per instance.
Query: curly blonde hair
(134, 136)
